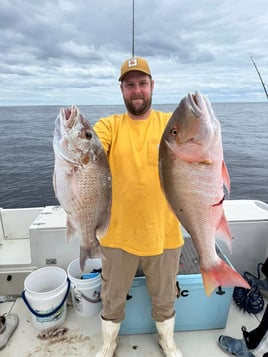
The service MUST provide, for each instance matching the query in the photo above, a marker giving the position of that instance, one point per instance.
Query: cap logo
(132, 62)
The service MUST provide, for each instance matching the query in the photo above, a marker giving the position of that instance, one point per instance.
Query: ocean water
(27, 158)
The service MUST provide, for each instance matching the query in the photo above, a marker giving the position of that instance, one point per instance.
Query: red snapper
(192, 175)
(82, 180)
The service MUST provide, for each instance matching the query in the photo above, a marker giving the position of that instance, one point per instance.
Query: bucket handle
(87, 298)
(48, 313)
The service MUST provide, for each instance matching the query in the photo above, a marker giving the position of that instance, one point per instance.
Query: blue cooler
(194, 309)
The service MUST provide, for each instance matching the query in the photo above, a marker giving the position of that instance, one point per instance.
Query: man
(143, 230)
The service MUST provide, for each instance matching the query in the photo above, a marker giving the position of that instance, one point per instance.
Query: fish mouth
(195, 102)
(69, 116)
(67, 113)
(68, 122)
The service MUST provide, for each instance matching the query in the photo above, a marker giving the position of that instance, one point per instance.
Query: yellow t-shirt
(141, 221)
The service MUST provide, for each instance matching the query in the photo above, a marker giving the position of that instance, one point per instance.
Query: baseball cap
(134, 64)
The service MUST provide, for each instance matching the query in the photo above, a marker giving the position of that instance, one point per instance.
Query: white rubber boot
(110, 332)
(165, 338)
(8, 324)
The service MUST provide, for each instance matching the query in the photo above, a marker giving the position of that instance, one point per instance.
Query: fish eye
(88, 135)
(173, 132)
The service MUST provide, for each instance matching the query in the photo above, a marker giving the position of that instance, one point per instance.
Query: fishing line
(133, 28)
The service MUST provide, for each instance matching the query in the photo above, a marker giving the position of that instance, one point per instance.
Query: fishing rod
(133, 29)
(259, 75)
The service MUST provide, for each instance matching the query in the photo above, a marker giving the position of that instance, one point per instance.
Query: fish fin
(54, 183)
(222, 275)
(103, 228)
(190, 152)
(223, 230)
(73, 184)
(226, 177)
(90, 251)
(73, 231)
(101, 232)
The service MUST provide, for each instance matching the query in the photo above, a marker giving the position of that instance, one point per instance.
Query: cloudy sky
(70, 52)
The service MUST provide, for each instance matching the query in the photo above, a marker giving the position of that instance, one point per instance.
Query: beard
(138, 109)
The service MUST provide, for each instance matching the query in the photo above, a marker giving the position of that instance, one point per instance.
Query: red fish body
(192, 175)
(82, 180)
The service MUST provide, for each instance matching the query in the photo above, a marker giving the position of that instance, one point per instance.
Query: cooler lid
(51, 217)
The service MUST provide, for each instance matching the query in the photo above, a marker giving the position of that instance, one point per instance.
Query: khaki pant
(118, 271)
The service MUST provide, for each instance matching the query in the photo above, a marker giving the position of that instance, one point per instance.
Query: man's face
(137, 89)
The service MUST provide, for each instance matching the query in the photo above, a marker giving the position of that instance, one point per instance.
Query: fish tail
(89, 252)
(226, 177)
(221, 275)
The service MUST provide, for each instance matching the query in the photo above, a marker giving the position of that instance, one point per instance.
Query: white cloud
(70, 52)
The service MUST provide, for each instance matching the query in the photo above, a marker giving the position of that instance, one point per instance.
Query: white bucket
(85, 292)
(45, 295)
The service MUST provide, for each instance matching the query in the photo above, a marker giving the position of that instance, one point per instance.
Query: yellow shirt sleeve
(141, 221)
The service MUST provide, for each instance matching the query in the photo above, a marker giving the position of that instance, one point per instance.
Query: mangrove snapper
(82, 180)
(193, 175)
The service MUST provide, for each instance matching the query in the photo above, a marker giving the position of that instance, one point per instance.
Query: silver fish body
(82, 181)
(193, 174)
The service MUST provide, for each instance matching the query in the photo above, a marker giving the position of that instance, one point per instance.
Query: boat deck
(82, 337)
(46, 226)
